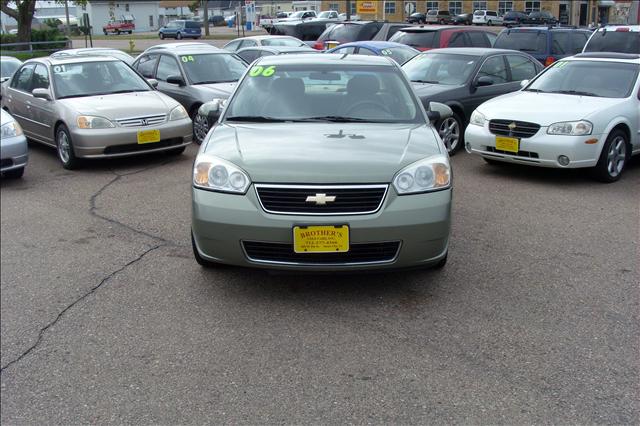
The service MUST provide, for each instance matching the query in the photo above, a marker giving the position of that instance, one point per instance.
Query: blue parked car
(546, 44)
(400, 53)
(181, 29)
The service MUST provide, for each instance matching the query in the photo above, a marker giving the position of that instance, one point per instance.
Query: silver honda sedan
(94, 107)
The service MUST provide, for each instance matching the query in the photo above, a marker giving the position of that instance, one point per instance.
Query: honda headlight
(571, 128)
(215, 174)
(91, 122)
(178, 113)
(426, 175)
(477, 118)
(10, 130)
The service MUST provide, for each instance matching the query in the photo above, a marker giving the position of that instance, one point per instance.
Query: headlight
(571, 128)
(426, 175)
(91, 122)
(10, 130)
(178, 113)
(215, 174)
(477, 118)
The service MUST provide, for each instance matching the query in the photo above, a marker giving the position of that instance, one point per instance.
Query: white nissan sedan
(584, 111)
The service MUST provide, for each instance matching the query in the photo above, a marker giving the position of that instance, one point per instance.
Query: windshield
(213, 67)
(423, 39)
(7, 68)
(96, 78)
(479, 13)
(320, 93)
(614, 41)
(525, 41)
(440, 68)
(297, 14)
(597, 78)
(399, 54)
(285, 41)
(324, 15)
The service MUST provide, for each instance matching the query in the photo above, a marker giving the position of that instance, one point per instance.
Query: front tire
(178, 36)
(489, 23)
(161, 36)
(613, 158)
(64, 147)
(451, 132)
(200, 128)
(15, 173)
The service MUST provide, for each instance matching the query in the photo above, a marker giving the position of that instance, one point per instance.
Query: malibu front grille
(321, 199)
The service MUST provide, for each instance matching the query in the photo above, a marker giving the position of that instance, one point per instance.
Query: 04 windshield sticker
(259, 71)
(187, 58)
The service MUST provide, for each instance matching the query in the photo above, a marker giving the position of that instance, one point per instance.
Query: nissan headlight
(571, 128)
(477, 118)
(91, 122)
(178, 113)
(10, 130)
(215, 174)
(430, 174)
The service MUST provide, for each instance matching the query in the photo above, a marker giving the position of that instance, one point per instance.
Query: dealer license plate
(507, 144)
(331, 44)
(148, 136)
(321, 239)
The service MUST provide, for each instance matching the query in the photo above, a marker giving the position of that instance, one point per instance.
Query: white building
(143, 13)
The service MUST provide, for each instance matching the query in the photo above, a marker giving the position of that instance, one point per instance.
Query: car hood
(544, 108)
(322, 152)
(217, 90)
(122, 105)
(429, 90)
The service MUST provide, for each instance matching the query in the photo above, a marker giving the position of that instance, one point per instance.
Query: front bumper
(540, 150)
(122, 141)
(13, 153)
(420, 223)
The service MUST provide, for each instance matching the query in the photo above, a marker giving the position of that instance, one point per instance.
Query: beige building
(572, 12)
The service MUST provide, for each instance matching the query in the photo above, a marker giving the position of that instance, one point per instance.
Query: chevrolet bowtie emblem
(512, 126)
(320, 199)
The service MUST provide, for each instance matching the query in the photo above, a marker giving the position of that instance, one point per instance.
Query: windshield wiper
(215, 81)
(425, 81)
(335, 119)
(256, 119)
(124, 91)
(524, 49)
(535, 90)
(76, 96)
(574, 92)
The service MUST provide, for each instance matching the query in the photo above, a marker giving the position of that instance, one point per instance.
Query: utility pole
(66, 13)
(205, 17)
(348, 10)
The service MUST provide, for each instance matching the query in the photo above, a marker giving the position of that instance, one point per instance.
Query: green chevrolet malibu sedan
(323, 163)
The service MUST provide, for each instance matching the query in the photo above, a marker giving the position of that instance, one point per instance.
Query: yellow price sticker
(187, 58)
(262, 71)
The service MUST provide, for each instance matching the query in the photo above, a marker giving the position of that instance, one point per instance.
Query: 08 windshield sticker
(259, 71)
(188, 58)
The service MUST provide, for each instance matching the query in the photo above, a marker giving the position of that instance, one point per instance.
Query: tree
(23, 14)
(205, 17)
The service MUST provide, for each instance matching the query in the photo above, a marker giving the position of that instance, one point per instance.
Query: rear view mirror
(175, 79)
(438, 111)
(523, 83)
(212, 108)
(484, 81)
(324, 76)
(153, 82)
(41, 93)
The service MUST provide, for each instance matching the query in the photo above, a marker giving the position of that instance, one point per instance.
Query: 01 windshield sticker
(259, 71)
(59, 69)
(187, 58)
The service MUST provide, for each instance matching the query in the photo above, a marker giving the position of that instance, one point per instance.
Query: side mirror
(41, 93)
(153, 82)
(483, 81)
(523, 83)
(175, 79)
(438, 111)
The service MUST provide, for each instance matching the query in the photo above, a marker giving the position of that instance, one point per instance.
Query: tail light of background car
(549, 61)
(623, 29)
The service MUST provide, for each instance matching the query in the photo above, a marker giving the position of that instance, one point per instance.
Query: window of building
(334, 6)
(353, 7)
(151, 21)
(504, 7)
(455, 7)
(126, 7)
(432, 5)
(531, 6)
(479, 5)
(390, 7)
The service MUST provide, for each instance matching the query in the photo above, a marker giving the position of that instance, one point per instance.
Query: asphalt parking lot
(106, 317)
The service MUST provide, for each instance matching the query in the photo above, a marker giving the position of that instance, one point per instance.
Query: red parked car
(118, 27)
(434, 37)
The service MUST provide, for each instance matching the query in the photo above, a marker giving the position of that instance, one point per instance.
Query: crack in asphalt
(163, 242)
(44, 329)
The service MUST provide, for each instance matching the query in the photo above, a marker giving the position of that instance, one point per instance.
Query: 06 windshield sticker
(259, 71)
(187, 58)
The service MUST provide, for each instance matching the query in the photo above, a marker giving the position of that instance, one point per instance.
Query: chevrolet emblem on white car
(320, 199)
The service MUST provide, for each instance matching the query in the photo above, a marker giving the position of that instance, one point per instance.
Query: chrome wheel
(450, 133)
(616, 156)
(64, 147)
(200, 127)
